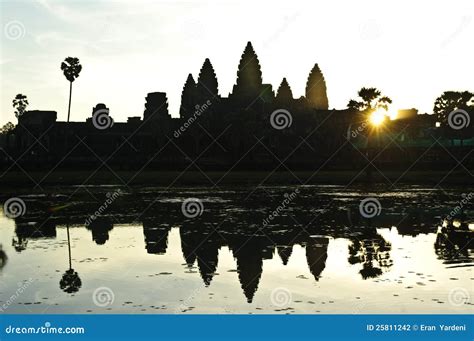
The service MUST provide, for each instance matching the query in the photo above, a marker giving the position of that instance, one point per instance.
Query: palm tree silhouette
(71, 69)
(371, 100)
(20, 102)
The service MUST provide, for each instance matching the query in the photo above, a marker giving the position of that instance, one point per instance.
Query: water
(318, 254)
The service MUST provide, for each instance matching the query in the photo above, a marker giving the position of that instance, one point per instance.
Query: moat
(143, 253)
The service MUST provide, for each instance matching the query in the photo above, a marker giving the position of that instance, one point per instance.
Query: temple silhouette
(216, 132)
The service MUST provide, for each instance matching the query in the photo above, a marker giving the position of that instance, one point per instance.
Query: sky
(411, 50)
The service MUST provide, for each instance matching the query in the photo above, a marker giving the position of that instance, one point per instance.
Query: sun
(378, 117)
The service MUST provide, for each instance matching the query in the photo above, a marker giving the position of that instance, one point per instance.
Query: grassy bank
(196, 178)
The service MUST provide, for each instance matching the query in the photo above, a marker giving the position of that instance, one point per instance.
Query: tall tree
(71, 69)
(249, 75)
(188, 97)
(316, 93)
(284, 93)
(207, 81)
(453, 100)
(20, 102)
(370, 99)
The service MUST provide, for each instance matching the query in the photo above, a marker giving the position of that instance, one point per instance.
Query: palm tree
(71, 69)
(371, 100)
(20, 102)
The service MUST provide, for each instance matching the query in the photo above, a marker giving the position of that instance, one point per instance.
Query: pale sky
(411, 50)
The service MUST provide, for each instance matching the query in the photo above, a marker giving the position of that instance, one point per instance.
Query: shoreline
(220, 178)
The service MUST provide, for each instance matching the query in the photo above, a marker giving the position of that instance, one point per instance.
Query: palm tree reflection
(70, 282)
(454, 242)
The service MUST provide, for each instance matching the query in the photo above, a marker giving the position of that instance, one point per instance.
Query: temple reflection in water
(200, 244)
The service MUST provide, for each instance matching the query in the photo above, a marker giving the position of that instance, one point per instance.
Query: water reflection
(200, 247)
(373, 252)
(70, 282)
(454, 242)
(250, 244)
(316, 255)
(100, 227)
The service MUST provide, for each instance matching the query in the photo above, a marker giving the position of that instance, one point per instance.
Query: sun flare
(378, 117)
